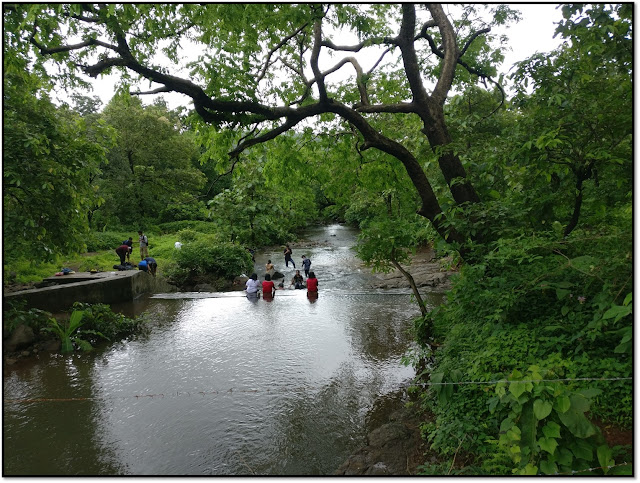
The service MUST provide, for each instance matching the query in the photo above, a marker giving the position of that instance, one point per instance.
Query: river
(223, 385)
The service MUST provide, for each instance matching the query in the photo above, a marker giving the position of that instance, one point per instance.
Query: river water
(224, 384)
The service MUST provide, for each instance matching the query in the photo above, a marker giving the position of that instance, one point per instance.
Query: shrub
(563, 306)
(112, 325)
(15, 314)
(203, 258)
(175, 226)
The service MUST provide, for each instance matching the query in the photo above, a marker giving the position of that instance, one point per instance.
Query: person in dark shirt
(152, 265)
(129, 243)
(297, 281)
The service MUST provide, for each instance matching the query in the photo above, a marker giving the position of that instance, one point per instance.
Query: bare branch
(473, 37)
(386, 51)
(276, 48)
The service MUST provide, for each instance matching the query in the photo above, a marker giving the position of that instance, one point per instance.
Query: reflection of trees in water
(58, 437)
(381, 331)
(318, 428)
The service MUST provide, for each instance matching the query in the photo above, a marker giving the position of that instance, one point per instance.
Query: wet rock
(10, 362)
(387, 434)
(21, 337)
(51, 345)
(25, 353)
(277, 275)
(394, 448)
(204, 287)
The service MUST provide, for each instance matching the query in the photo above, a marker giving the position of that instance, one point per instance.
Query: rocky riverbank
(393, 446)
(426, 270)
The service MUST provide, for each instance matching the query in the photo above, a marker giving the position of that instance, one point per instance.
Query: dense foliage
(530, 194)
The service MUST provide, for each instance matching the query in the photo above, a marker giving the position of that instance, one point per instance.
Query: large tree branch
(448, 67)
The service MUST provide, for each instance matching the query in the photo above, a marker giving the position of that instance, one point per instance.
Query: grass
(23, 271)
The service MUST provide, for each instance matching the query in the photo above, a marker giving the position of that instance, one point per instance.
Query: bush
(15, 314)
(112, 325)
(175, 226)
(562, 306)
(203, 258)
(187, 235)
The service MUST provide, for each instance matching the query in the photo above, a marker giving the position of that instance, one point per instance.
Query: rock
(204, 287)
(25, 353)
(277, 275)
(388, 433)
(10, 362)
(51, 345)
(21, 337)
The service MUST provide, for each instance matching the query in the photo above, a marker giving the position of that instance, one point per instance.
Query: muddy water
(224, 385)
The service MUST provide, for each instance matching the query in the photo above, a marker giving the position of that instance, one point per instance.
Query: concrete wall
(122, 288)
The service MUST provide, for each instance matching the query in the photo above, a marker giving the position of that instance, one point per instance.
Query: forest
(522, 181)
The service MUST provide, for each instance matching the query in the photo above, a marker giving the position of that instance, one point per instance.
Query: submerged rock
(22, 336)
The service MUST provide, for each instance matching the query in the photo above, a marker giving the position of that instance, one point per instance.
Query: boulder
(277, 275)
(22, 336)
(51, 345)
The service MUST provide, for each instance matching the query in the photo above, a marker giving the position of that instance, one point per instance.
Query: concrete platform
(102, 287)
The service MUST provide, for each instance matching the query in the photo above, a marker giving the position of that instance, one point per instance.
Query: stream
(224, 384)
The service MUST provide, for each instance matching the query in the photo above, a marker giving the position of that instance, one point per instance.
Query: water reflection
(225, 384)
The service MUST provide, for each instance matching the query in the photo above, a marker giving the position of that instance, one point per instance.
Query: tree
(49, 160)
(579, 119)
(151, 167)
(262, 68)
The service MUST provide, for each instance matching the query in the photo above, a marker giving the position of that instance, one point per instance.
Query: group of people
(147, 263)
(268, 287)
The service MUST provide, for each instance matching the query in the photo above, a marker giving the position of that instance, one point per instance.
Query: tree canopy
(267, 68)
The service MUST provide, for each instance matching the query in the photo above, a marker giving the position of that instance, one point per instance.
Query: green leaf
(67, 345)
(517, 388)
(541, 408)
(564, 457)
(551, 430)
(582, 450)
(530, 470)
(548, 467)
(617, 312)
(605, 457)
(548, 444)
(562, 404)
(577, 423)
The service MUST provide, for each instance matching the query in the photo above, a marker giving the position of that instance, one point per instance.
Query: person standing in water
(287, 257)
(312, 283)
(306, 264)
(270, 268)
(252, 286)
(268, 287)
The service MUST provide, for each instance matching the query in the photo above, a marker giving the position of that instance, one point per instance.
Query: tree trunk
(412, 283)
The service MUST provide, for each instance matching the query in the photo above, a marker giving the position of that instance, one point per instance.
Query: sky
(534, 33)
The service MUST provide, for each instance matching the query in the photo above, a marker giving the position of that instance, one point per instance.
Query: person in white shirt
(252, 286)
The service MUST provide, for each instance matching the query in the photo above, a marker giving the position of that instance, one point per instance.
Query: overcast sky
(534, 33)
